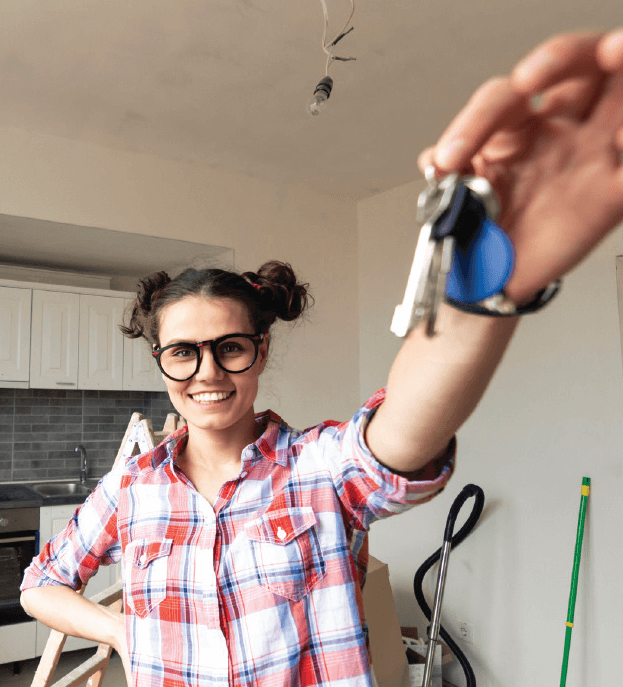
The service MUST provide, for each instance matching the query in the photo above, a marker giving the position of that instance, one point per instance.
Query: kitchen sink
(61, 489)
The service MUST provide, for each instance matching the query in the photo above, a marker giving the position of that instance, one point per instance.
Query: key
(423, 293)
(443, 231)
(440, 267)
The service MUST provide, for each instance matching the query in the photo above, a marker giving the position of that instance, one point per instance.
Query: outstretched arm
(556, 167)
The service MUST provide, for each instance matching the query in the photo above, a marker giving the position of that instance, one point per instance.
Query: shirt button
(243, 474)
(281, 533)
(143, 558)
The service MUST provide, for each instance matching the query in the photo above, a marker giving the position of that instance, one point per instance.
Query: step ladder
(139, 438)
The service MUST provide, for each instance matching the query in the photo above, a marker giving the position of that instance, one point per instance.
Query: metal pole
(586, 481)
(433, 632)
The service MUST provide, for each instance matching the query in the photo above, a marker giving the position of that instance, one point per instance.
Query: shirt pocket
(286, 551)
(145, 574)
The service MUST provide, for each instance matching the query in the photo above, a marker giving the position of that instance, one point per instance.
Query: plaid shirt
(263, 588)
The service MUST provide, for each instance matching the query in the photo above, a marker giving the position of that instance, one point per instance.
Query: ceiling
(223, 83)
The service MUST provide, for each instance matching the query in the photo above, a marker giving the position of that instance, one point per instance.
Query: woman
(243, 541)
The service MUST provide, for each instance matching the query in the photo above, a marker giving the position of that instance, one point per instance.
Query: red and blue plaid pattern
(264, 588)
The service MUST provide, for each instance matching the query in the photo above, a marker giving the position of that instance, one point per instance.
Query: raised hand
(550, 138)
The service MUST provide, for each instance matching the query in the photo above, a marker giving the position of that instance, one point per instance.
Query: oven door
(19, 543)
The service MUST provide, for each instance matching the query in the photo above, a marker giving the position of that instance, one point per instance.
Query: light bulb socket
(325, 85)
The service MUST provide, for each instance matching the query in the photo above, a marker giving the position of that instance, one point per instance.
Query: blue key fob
(483, 268)
(484, 255)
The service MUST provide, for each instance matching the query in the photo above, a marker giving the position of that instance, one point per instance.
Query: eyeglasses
(233, 353)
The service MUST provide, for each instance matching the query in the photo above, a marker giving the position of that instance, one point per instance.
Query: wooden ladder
(139, 438)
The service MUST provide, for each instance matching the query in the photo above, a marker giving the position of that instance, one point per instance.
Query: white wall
(552, 415)
(55, 179)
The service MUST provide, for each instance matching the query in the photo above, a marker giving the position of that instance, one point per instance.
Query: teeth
(210, 398)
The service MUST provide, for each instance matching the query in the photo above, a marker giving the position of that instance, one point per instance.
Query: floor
(69, 660)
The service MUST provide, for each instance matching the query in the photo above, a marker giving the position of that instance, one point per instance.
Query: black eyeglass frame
(213, 343)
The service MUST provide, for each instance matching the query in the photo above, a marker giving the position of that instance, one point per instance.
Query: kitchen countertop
(23, 496)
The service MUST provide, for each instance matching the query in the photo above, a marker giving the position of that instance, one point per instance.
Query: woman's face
(213, 400)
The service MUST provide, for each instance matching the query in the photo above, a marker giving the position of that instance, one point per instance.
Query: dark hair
(269, 294)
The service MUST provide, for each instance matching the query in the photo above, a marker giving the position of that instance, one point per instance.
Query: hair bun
(148, 290)
(280, 290)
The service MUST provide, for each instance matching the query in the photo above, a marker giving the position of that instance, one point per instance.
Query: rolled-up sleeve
(368, 489)
(89, 540)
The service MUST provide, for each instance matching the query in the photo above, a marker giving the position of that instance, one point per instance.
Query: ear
(262, 354)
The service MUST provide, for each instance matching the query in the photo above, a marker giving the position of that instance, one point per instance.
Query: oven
(19, 543)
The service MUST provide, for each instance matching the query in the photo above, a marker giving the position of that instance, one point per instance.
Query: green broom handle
(586, 481)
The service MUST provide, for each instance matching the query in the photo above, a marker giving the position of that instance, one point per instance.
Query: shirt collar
(275, 439)
(273, 443)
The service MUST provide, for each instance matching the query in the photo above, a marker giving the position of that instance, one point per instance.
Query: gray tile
(98, 402)
(65, 436)
(100, 436)
(65, 411)
(66, 402)
(125, 403)
(31, 402)
(21, 437)
(43, 427)
(24, 413)
(31, 446)
(40, 410)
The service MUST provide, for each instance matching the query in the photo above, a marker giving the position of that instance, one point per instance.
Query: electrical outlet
(466, 632)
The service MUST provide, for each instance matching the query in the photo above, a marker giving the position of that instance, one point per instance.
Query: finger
(573, 98)
(506, 144)
(607, 115)
(425, 159)
(560, 58)
(495, 105)
(610, 51)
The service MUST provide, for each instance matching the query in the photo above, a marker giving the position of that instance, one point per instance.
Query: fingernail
(449, 156)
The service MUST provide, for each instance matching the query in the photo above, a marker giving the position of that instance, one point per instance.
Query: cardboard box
(389, 659)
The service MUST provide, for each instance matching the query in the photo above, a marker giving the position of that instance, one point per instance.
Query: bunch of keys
(441, 211)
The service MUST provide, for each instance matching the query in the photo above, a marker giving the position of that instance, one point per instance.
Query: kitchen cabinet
(59, 337)
(100, 362)
(18, 642)
(54, 342)
(53, 520)
(140, 371)
(15, 307)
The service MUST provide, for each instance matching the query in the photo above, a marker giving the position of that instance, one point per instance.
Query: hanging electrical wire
(318, 102)
(328, 48)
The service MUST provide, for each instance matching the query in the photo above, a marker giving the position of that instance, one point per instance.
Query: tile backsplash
(40, 429)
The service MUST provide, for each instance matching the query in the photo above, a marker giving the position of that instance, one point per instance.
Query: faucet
(84, 465)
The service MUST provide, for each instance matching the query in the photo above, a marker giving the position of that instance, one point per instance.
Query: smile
(212, 397)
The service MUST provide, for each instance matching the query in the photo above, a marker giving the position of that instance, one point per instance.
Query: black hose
(467, 492)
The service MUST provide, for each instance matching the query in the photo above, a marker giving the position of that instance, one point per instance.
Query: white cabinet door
(52, 520)
(140, 371)
(101, 343)
(54, 344)
(18, 642)
(15, 307)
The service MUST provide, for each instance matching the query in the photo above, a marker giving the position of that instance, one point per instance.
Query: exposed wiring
(329, 46)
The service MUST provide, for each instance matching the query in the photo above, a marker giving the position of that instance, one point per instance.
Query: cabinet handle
(66, 383)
